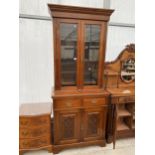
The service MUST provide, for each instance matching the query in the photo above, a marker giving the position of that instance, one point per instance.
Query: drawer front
(67, 103)
(35, 132)
(87, 102)
(124, 99)
(34, 143)
(34, 121)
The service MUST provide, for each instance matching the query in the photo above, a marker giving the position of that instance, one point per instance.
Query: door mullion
(81, 75)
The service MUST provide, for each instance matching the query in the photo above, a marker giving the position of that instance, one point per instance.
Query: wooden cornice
(129, 48)
(61, 11)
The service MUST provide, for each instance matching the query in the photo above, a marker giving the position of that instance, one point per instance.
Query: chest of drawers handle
(68, 104)
(25, 133)
(94, 101)
(24, 122)
(25, 143)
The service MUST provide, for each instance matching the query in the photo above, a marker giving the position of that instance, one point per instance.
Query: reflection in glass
(128, 70)
(92, 38)
(68, 36)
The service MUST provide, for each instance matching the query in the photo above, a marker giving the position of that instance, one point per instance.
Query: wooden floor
(123, 147)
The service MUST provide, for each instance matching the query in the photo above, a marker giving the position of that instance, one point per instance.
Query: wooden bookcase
(79, 100)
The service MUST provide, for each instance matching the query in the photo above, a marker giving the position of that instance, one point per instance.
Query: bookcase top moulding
(64, 11)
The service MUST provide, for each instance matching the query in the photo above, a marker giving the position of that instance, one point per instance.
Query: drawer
(124, 99)
(34, 121)
(87, 102)
(67, 103)
(34, 143)
(35, 132)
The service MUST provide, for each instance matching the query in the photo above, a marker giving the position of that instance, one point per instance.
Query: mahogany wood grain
(80, 16)
(80, 111)
(35, 131)
(74, 12)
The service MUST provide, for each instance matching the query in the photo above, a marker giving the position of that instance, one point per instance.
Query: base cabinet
(94, 123)
(67, 129)
(79, 122)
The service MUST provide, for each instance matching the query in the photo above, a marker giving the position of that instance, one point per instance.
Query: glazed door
(95, 122)
(79, 53)
(92, 52)
(66, 127)
(66, 52)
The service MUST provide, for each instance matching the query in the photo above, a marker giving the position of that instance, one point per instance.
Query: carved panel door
(95, 122)
(67, 128)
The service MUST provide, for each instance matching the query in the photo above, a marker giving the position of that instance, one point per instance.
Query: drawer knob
(24, 122)
(68, 104)
(94, 101)
(25, 133)
(25, 143)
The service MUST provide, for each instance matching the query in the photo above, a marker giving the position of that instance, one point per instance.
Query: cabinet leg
(50, 149)
(114, 143)
(56, 150)
(20, 153)
(109, 139)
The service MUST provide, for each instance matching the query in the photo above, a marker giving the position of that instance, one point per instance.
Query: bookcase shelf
(123, 111)
(123, 123)
(125, 115)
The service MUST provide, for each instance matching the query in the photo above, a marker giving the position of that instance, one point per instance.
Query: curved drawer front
(33, 143)
(34, 121)
(36, 132)
(67, 103)
(87, 102)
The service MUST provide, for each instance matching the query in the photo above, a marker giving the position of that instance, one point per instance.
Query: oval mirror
(128, 70)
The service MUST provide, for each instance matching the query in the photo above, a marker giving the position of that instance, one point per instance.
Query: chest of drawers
(35, 127)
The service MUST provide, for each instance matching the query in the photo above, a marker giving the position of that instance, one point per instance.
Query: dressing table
(119, 80)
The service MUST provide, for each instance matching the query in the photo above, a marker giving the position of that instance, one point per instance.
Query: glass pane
(68, 36)
(91, 56)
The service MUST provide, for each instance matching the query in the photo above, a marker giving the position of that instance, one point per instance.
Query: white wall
(39, 7)
(36, 42)
(36, 65)
(118, 38)
(124, 11)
